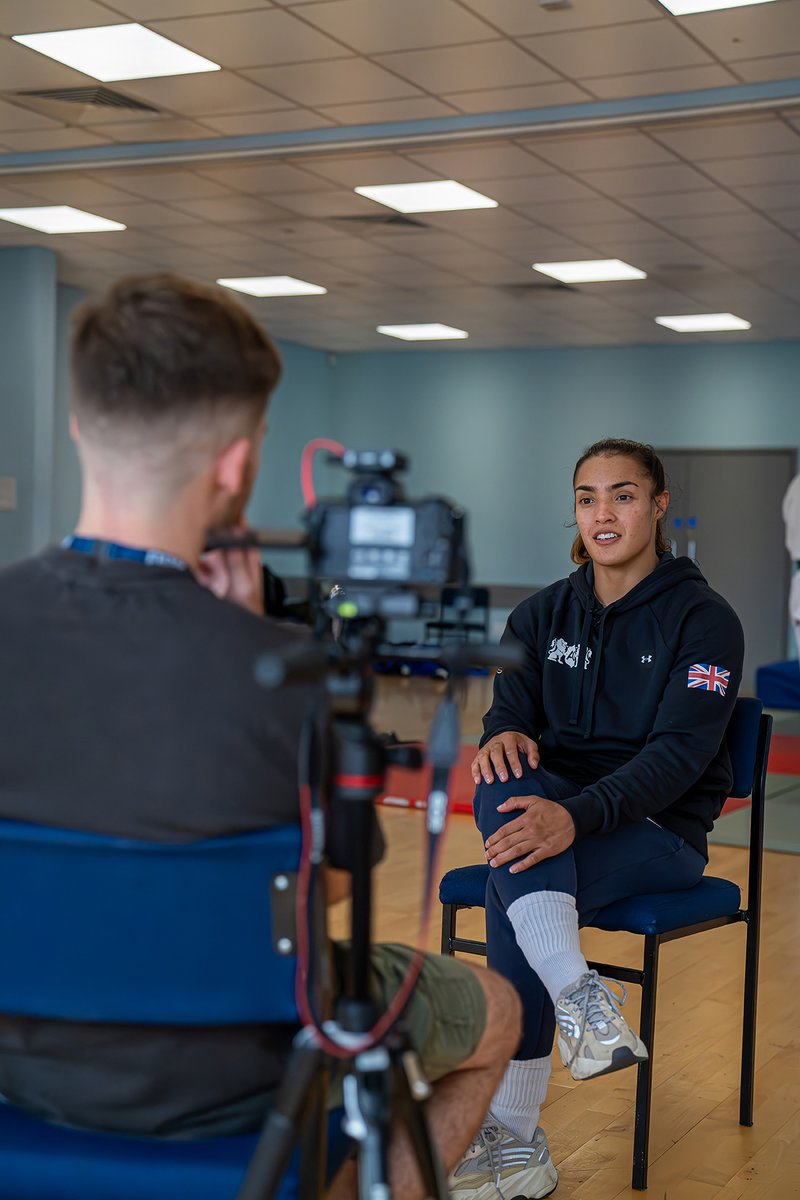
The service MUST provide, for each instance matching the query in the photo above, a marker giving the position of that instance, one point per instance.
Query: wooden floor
(698, 1149)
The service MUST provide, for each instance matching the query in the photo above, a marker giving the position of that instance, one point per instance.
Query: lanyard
(103, 549)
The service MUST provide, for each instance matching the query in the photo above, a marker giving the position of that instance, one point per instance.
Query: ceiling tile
(229, 209)
(372, 26)
(577, 211)
(647, 181)
(721, 225)
(77, 190)
(250, 39)
(196, 95)
(377, 111)
(163, 130)
(39, 16)
(271, 175)
(480, 65)
(364, 170)
(521, 16)
(599, 151)
(766, 168)
(14, 118)
(644, 46)
(495, 220)
(338, 81)
(684, 79)
(267, 122)
(326, 205)
(155, 184)
(493, 160)
(706, 140)
(620, 233)
(677, 204)
(756, 70)
(750, 32)
(152, 10)
(21, 67)
(200, 236)
(773, 197)
(51, 139)
(537, 188)
(511, 99)
(140, 215)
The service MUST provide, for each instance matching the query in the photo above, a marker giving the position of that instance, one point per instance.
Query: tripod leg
(412, 1090)
(302, 1083)
(367, 1100)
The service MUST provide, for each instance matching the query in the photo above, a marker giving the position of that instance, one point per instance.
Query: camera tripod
(386, 1077)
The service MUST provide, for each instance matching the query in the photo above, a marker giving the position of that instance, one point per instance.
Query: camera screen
(373, 525)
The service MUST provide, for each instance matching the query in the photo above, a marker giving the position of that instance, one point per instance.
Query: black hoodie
(629, 701)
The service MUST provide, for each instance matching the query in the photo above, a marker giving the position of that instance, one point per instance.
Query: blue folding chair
(666, 916)
(105, 929)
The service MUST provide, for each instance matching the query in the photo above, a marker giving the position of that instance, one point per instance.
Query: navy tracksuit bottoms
(636, 858)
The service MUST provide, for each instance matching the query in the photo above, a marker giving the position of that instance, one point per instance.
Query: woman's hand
(543, 830)
(499, 748)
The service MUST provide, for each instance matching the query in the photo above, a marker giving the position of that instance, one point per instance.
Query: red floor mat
(784, 754)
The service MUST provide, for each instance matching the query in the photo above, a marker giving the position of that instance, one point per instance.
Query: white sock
(546, 928)
(517, 1100)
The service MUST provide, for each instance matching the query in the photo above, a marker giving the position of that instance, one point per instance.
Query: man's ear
(231, 464)
(74, 431)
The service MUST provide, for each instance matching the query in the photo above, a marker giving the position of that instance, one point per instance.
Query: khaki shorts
(446, 1014)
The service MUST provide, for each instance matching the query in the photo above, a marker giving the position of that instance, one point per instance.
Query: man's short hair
(164, 350)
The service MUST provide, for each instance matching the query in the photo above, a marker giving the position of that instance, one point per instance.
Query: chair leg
(644, 1080)
(747, 1083)
(448, 927)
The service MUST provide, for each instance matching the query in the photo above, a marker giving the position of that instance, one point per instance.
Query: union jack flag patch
(710, 679)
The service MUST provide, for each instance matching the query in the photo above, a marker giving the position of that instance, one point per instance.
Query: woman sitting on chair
(601, 770)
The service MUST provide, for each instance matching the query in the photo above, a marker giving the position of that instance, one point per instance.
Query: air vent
(379, 219)
(102, 97)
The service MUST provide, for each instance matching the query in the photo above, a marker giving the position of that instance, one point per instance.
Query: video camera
(378, 545)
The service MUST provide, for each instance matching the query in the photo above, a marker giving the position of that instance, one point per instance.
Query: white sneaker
(593, 1036)
(499, 1165)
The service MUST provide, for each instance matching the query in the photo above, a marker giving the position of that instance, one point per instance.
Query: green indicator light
(347, 609)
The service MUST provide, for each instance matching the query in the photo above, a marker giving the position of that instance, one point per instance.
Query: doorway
(725, 512)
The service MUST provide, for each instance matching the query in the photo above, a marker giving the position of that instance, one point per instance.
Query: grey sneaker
(499, 1165)
(593, 1036)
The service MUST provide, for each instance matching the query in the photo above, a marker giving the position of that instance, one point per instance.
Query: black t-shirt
(128, 706)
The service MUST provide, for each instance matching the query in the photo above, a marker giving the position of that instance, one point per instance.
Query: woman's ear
(662, 503)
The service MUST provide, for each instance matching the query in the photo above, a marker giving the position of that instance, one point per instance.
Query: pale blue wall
(66, 494)
(299, 410)
(27, 374)
(500, 431)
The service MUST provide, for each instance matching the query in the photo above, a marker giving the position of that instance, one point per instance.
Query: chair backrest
(742, 738)
(96, 928)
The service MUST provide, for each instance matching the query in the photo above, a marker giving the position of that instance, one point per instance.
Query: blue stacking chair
(664, 917)
(104, 929)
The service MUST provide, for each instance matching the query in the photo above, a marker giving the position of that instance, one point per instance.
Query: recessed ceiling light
(273, 285)
(682, 8)
(423, 333)
(439, 195)
(593, 270)
(59, 218)
(109, 52)
(703, 323)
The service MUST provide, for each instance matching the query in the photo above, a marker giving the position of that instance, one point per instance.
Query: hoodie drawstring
(578, 686)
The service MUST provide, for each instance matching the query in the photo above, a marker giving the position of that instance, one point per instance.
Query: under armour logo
(646, 658)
